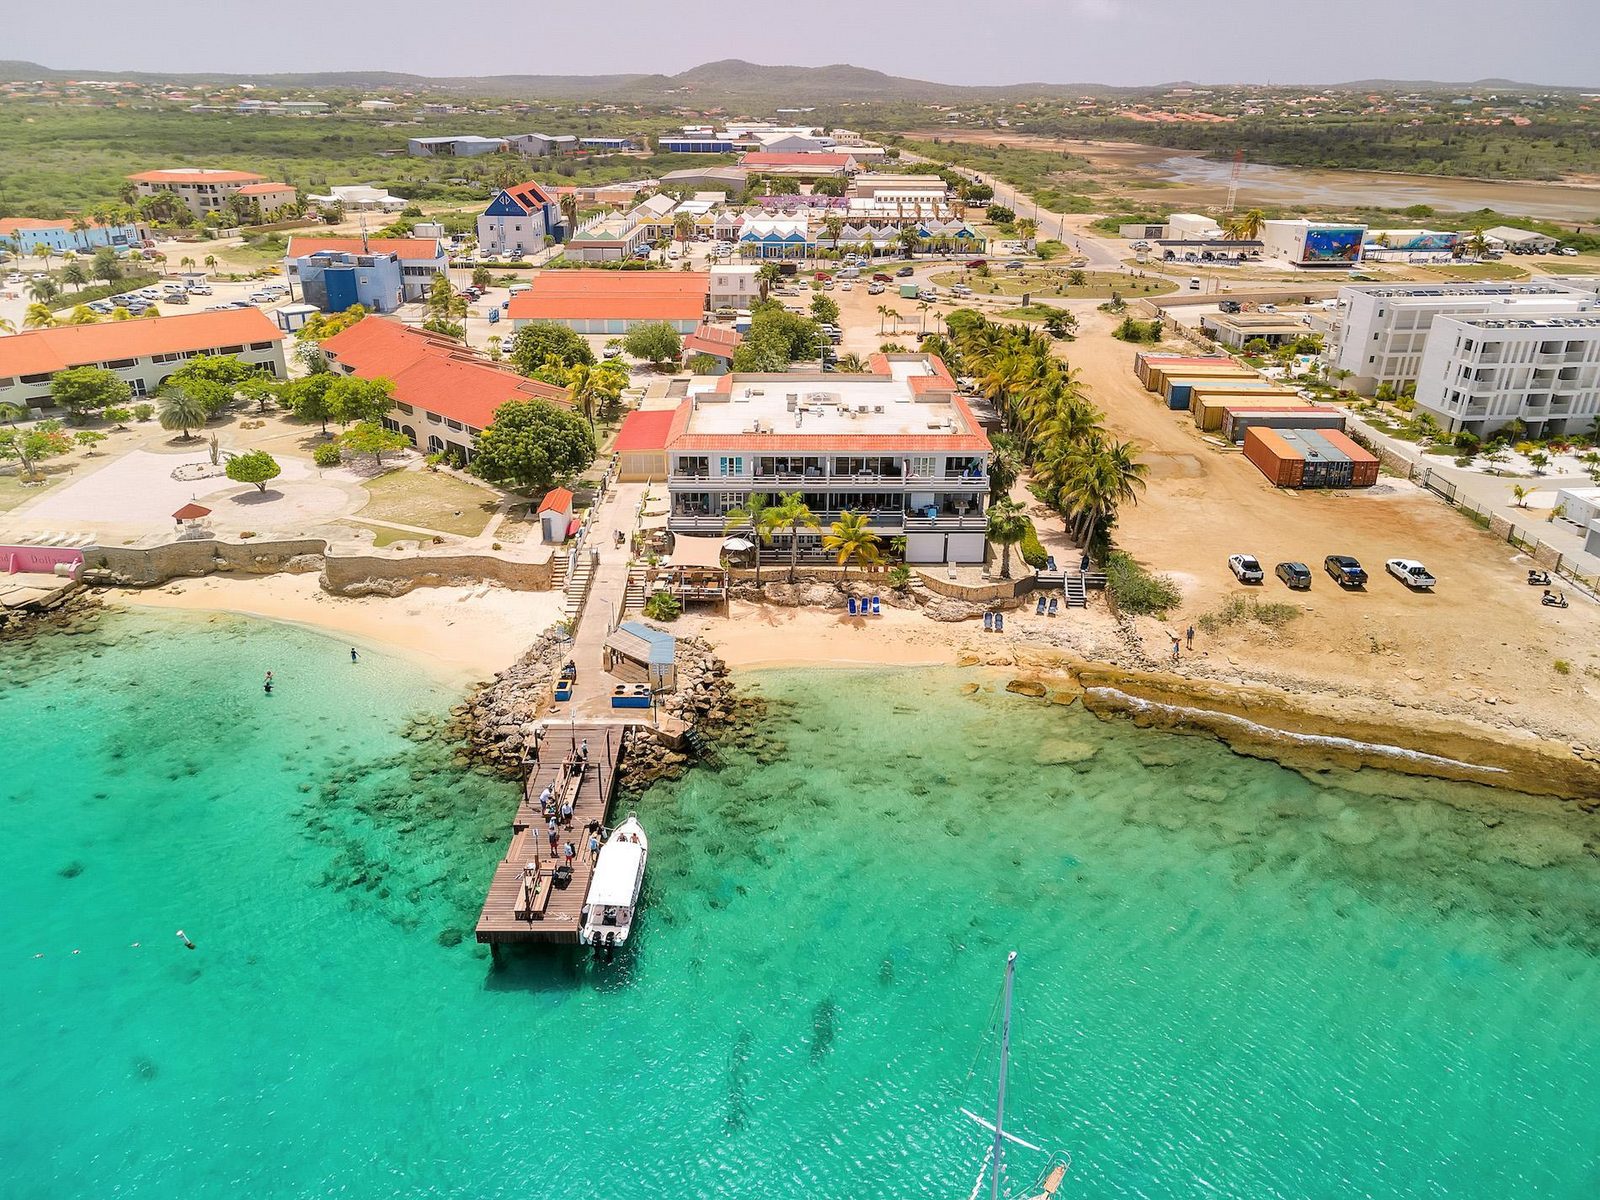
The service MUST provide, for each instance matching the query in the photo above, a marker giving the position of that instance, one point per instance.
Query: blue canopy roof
(663, 646)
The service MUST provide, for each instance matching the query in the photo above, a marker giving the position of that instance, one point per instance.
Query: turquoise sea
(1233, 981)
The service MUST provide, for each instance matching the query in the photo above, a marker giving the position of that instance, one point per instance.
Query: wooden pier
(526, 903)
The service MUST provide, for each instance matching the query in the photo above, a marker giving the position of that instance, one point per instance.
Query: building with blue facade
(695, 145)
(775, 237)
(519, 219)
(379, 274)
(21, 234)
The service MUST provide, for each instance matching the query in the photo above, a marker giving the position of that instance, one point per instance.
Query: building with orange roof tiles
(203, 190)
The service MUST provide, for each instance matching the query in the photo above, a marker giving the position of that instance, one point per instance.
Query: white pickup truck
(1411, 573)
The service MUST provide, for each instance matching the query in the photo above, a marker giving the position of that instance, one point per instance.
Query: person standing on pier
(594, 848)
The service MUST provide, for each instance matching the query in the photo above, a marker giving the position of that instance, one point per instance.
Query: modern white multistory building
(898, 445)
(1381, 330)
(1481, 373)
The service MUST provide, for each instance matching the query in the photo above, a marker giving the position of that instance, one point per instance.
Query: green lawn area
(388, 535)
(431, 500)
(12, 493)
(1096, 285)
(1033, 312)
(1468, 272)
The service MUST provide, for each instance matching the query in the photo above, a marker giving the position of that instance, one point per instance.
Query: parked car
(1194, 283)
(1141, 244)
(200, 289)
(975, 263)
(1229, 306)
(1015, 264)
(1411, 573)
(874, 289)
(960, 289)
(1568, 251)
(903, 272)
(1246, 568)
(880, 277)
(1294, 575)
(178, 297)
(1346, 571)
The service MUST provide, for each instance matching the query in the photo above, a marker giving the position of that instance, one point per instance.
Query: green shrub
(662, 606)
(1032, 552)
(327, 455)
(1243, 610)
(899, 577)
(1562, 666)
(143, 412)
(1135, 591)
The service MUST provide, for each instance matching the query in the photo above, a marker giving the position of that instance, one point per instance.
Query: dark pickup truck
(1346, 571)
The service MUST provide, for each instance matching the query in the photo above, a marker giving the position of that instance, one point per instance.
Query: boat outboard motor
(611, 944)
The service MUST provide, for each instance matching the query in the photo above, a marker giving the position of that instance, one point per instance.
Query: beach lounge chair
(1038, 608)
(852, 603)
(1050, 562)
(999, 622)
(988, 622)
(877, 607)
(1052, 606)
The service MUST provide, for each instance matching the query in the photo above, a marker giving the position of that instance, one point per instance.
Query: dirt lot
(1482, 634)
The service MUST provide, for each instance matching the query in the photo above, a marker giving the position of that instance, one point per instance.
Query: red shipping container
(1282, 464)
(1364, 467)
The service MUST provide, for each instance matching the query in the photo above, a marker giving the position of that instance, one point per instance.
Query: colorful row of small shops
(1274, 423)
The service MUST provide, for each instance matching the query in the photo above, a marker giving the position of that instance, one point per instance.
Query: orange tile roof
(616, 295)
(262, 189)
(645, 431)
(180, 175)
(433, 372)
(556, 500)
(713, 339)
(13, 224)
(405, 248)
(46, 350)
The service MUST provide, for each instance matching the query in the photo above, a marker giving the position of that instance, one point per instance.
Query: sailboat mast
(1000, 1101)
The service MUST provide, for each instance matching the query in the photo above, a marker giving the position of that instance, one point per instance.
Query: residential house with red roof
(379, 273)
(203, 190)
(143, 353)
(713, 341)
(612, 302)
(519, 219)
(898, 444)
(445, 394)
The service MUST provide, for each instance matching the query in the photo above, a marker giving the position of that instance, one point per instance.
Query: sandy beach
(460, 633)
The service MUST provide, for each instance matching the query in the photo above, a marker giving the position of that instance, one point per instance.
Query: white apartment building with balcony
(899, 445)
(1381, 330)
(1480, 373)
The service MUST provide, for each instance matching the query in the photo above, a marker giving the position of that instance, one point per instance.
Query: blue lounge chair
(1052, 606)
(877, 607)
(1038, 608)
(1050, 562)
(988, 622)
(999, 622)
(852, 606)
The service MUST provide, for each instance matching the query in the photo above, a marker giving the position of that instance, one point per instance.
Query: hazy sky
(1053, 41)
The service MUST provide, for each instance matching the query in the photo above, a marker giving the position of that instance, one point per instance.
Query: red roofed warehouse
(612, 302)
(378, 273)
(202, 190)
(142, 352)
(898, 444)
(803, 165)
(445, 395)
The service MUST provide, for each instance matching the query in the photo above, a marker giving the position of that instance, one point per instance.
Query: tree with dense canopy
(369, 437)
(539, 341)
(82, 390)
(257, 467)
(307, 398)
(212, 379)
(657, 342)
(531, 444)
(352, 400)
(30, 446)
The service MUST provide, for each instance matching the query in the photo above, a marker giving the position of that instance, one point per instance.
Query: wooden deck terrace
(527, 906)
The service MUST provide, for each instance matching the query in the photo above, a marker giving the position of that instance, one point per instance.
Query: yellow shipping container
(1208, 409)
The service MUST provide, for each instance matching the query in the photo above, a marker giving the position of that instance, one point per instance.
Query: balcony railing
(969, 523)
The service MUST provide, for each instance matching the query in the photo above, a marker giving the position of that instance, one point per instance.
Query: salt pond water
(1233, 981)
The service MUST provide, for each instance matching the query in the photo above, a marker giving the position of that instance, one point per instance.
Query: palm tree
(850, 364)
(7, 326)
(81, 228)
(792, 513)
(922, 322)
(767, 274)
(569, 212)
(38, 316)
(1519, 495)
(1099, 478)
(1477, 242)
(584, 390)
(44, 251)
(83, 315)
(177, 410)
(850, 538)
(758, 517)
(74, 274)
(884, 311)
(43, 290)
(211, 262)
(1246, 226)
(1008, 525)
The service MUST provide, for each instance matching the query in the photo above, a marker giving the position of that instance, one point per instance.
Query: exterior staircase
(634, 595)
(575, 583)
(1076, 593)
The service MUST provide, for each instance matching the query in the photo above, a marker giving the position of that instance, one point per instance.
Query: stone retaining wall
(986, 593)
(371, 575)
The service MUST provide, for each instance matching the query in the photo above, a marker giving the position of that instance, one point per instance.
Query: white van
(849, 273)
(1194, 283)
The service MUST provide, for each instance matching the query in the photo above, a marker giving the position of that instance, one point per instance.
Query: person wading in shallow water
(353, 656)
(266, 684)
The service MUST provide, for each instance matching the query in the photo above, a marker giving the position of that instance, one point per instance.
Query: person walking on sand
(1176, 644)
(1189, 637)
(353, 655)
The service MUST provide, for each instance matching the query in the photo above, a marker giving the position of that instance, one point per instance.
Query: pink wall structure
(39, 560)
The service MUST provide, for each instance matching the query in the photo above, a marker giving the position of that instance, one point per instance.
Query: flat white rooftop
(842, 405)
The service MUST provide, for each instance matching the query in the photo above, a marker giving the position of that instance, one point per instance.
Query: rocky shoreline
(70, 611)
(498, 723)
